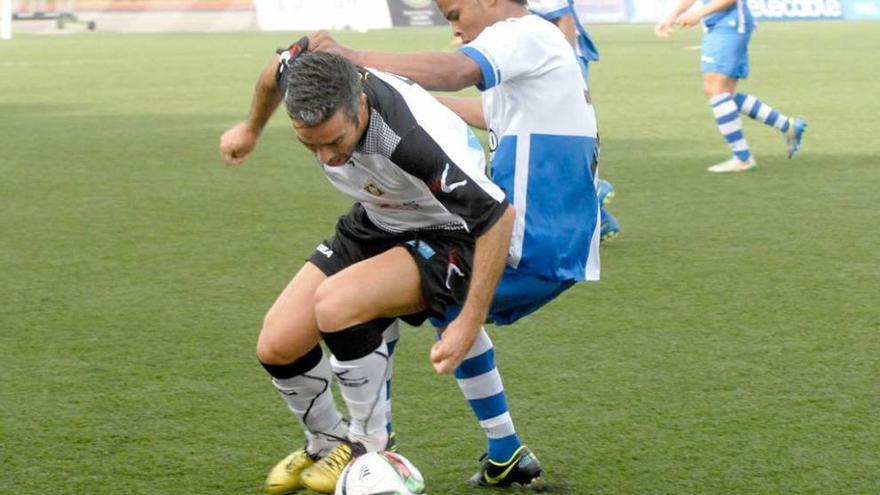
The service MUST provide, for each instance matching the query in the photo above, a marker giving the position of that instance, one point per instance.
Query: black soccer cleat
(521, 469)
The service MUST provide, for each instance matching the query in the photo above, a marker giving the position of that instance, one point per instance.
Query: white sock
(362, 383)
(391, 335)
(310, 399)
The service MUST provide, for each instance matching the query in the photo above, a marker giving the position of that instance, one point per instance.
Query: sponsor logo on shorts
(325, 250)
(452, 269)
(423, 248)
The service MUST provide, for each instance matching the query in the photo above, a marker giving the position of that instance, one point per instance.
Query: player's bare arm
(238, 142)
(434, 71)
(565, 23)
(469, 108)
(691, 19)
(664, 27)
(490, 255)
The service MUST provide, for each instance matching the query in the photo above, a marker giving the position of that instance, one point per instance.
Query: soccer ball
(380, 473)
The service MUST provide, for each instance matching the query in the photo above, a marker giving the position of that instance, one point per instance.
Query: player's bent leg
(480, 382)
(305, 386)
(352, 320)
(391, 336)
(507, 460)
(792, 128)
(385, 285)
(360, 364)
(288, 350)
(290, 329)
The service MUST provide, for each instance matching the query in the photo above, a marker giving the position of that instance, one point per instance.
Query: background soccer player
(725, 60)
(542, 135)
(564, 15)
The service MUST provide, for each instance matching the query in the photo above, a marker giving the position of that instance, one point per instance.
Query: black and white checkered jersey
(418, 165)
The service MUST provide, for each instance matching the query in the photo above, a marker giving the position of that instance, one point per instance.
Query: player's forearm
(266, 97)
(434, 71)
(490, 255)
(470, 109)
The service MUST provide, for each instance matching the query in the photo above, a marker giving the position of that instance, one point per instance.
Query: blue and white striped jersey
(542, 135)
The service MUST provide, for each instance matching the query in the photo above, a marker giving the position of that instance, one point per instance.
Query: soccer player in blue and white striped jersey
(725, 60)
(543, 139)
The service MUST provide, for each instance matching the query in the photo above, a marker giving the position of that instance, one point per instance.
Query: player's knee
(273, 347)
(711, 89)
(715, 86)
(270, 353)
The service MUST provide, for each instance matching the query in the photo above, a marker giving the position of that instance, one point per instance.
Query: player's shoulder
(515, 33)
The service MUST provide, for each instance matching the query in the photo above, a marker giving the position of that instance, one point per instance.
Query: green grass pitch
(732, 347)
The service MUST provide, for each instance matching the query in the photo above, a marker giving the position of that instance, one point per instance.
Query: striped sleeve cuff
(491, 75)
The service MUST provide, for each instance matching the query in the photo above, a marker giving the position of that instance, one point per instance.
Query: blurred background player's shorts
(725, 52)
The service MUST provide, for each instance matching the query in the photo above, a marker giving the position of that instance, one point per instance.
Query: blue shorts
(516, 296)
(726, 52)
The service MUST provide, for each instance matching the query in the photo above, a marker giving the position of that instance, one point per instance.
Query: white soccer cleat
(733, 164)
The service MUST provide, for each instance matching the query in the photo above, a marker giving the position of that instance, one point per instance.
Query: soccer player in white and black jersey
(428, 230)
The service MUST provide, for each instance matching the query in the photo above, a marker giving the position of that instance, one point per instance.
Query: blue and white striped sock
(480, 382)
(756, 109)
(727, 117)
(391, 335)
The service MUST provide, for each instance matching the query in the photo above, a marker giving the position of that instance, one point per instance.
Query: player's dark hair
(317, 85)
(522, 2)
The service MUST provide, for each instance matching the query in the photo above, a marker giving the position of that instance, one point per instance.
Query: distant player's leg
(352, 321)
(288, 349)
(730, 125)
(792, 128)
(724, 60)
